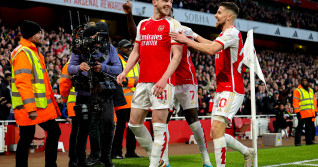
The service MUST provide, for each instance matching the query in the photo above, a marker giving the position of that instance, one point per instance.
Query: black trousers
(26, 136)
(94, 135)
(123, 117)
(106, 116)
(308, 130)
(73, 141)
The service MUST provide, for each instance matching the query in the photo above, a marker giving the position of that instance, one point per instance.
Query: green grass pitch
(266, 157)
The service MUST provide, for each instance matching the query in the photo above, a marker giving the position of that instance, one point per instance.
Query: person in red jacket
(32, 98)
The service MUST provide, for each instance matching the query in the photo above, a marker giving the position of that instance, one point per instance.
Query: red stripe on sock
(223, 157)
(164, 145)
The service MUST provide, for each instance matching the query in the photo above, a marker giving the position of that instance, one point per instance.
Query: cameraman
(79, 66)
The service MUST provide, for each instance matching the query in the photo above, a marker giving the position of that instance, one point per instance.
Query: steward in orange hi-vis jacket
(305, 106)
(32, 98)
(67, 91)
(68, 94)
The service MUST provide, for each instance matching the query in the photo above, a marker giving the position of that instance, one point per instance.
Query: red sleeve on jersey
(137, 41)
(219, 42)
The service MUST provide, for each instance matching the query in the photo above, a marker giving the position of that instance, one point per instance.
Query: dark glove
(125, 83)
(298, 116)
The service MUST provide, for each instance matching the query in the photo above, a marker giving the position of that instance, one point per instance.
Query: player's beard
(162, 11)
(220, 25)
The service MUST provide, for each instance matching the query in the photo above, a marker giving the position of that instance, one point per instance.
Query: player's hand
(127, 7)
(33, 115)
(69, 120)
(84, 67)
(3, 100)
(121, 78)
(178, 36)
(159, 87)
(97, 68)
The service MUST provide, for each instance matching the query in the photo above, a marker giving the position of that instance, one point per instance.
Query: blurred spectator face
(200, 91)
(9, 47)
(281, 106)
(58, 62)
(3, 62)
(50, 73)
(47, 59)
(64, 60)
(59, 54)
(51, 66)
(55, 90)
(51, 58)
(8, 78)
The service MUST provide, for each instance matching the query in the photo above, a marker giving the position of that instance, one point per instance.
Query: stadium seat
(192, 139)
(240, 127)
(60, 146)
(39, 136)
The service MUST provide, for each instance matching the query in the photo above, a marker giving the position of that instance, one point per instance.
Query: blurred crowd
(283, 71)
(251, 10)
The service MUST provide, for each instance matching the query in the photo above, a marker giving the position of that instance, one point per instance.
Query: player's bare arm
(202, 40)
(130, 20)
(206, 48)
(132, 60)
(161, 84)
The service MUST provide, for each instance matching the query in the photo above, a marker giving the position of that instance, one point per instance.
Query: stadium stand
(262, 11)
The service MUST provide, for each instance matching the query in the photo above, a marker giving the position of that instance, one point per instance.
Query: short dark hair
(230, 6)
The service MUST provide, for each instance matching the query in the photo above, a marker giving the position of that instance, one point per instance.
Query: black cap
(102, 27)
(124, 43)
(29, 28)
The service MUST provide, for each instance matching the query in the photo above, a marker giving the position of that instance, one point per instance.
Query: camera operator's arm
(132, 60)
(112, 64)
(76, 65)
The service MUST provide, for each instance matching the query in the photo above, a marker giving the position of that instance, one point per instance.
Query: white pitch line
(310, 164)
(295, 163)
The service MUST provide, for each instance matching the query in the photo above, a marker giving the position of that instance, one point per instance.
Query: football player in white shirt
(230, 88)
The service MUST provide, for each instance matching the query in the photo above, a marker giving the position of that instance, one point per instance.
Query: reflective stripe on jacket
(304, 102)
(31, 82)
(38, 87)
(132, 76)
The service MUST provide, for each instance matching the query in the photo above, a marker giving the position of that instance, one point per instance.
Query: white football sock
(234, 144)
(165, 156)
(143, 136)
(198, 133)
(220, 151)
(159, 144)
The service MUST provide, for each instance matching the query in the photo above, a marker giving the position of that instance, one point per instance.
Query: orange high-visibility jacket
(22, 67)
(65, 87)
(128, 91)
(297, 97)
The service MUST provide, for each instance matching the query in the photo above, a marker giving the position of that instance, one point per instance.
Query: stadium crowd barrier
(178, 129)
